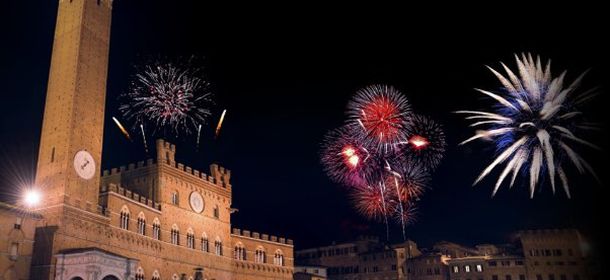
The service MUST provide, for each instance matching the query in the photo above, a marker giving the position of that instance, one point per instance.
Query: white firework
(534, 124)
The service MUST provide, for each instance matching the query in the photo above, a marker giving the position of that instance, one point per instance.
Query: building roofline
(20, 210)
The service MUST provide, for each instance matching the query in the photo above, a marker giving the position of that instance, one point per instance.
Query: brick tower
(68, 170)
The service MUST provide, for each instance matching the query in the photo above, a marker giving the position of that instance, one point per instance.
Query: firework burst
(534, 124)
(169, 96)
(426, 142)
(345, 157)
(382, 113)
(384, 154)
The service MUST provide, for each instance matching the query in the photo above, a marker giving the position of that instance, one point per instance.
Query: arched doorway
(110, 277)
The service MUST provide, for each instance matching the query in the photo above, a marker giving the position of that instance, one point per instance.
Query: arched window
(259, 255)
(218, 246)
(156, 229)
(175, 277)
(175, 235)
(141, 224)
(124, 220)
(240, 252)
(175, 198)
(278, 258)
(205, 244)
(190, 239)
(156, 276)
(140, 274)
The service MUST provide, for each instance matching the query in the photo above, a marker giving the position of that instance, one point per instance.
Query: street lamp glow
(32, 197)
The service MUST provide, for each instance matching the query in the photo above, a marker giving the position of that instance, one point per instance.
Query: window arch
(278, 258)
(139, 274)
(141, 224)
(124, 218)
(240, 252)
(175, 235)
(260, 256)
(175, 198)
(218, 246)
(156, 229)
(216, 212)
(155, 275)
(205, 243)
(190, 239)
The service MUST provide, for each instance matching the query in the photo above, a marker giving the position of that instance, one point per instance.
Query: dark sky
(285, 81)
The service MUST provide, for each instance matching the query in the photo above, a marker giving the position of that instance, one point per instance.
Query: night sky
(285, 81)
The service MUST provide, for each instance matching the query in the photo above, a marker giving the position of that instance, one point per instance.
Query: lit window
(467, 268)
(479, 268)
(456, 269)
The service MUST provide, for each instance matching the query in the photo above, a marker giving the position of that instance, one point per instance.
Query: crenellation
(281, 240)
(150, 162)
(122, 168)
(140, 164)
(188, 170)
(114, 171)
(256, 235)
(265, 236)
(289, 242)
(106, 172)
(131, 166)
(180, 166)
(236, 231)
(273, 238)
(246, 233)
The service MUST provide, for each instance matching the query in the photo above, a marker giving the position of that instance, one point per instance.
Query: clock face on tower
(84, 164)
(196, 201)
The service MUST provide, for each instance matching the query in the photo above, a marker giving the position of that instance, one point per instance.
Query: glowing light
(123, 130)
(32, 197)
(349, 151)
(419, 142)
(222, 118)
(353, 160)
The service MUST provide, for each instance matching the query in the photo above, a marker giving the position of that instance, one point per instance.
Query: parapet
(264, 237)
(222, 175)
(116, 188)
(129, 167)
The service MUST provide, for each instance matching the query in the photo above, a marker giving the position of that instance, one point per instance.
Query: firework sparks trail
(222, 117)
(534, 125)
(144, 138)
(123, 130)
(169, 97)
(198, 137)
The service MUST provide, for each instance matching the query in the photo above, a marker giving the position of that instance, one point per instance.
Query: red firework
(382, 112)
(372, 201)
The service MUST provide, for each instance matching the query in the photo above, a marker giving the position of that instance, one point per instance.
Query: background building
(154, 219)
(534, 255)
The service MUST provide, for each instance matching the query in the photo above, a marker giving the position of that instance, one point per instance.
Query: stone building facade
(154, 219)
(556, 254)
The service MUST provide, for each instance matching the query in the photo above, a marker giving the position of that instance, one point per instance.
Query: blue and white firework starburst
(534, 125)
